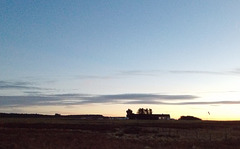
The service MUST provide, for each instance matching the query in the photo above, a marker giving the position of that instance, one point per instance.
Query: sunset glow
(104, 57)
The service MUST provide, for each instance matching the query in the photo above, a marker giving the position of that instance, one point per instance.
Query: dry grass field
(66, 133)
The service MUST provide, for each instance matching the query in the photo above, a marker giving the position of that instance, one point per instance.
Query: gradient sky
(103, 57)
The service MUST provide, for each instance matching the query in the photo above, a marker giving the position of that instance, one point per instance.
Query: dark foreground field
(66, 133)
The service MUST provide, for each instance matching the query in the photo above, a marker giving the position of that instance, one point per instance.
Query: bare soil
(65, 133)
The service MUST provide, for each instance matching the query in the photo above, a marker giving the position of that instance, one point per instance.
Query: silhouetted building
(162, 116)
(151, 116)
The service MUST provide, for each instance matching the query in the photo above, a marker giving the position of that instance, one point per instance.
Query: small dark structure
(146, 115)
(189, 118)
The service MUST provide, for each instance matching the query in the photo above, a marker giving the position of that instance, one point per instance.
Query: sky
(104, 57)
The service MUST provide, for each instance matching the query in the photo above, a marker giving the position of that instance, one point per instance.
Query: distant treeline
(17, 115)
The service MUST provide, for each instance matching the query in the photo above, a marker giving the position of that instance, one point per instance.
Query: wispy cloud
(17, 85)
(236, 71)
(125, 98)
(71, 95)
(21, 85)
(12, 101)
(146, 96)
(156, 73)
(93, 77)
(80, 99)
(183, 103)
(32, 92)
(206, 103)
(231, 72)
(196, 72)
(145, 102)
(77, 99)
(139, 73)
(119, 75)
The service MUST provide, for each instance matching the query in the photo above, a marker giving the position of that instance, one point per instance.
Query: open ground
(73, 133)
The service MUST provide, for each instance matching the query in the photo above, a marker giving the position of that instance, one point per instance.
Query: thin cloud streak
(184, 103)
(139, 73)
(16, 85)
(233, 72)
(146, 96)
(196, 72)
(19, 85)
(158, 72)
(93, 77)
(155, 73)
(122, 98)
(145, 102)
(78, 99)
(207, 103)
(236, 71)
(81, 99)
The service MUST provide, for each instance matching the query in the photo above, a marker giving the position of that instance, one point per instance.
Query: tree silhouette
(150, 111)
(140, 111)
(129, 112)
(144, 111)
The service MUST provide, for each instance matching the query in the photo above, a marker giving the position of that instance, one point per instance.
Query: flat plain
(73, 133)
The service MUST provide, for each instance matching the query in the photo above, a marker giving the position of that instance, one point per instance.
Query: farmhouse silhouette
(146, 114)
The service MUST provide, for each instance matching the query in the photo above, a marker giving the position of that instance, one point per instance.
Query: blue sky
(103, 57)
